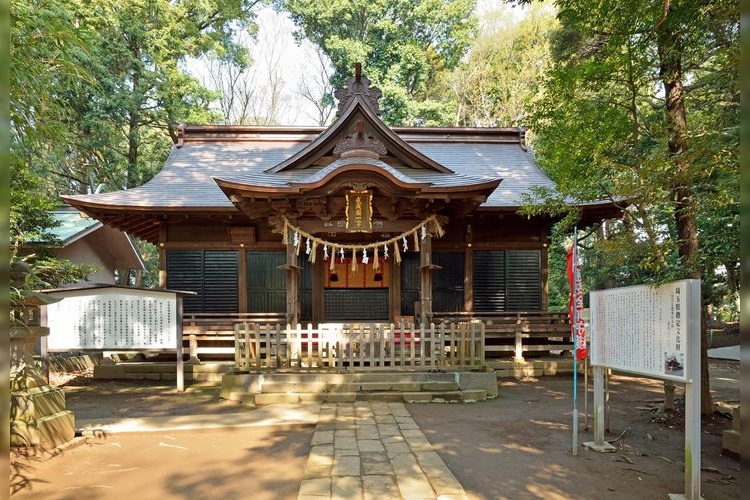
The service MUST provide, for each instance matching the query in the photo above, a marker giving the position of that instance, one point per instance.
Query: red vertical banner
(575, 304)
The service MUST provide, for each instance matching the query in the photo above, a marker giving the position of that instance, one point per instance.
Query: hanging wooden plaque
(359, 211)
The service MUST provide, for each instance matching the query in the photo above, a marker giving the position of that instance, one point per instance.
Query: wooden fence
(213, 333)
(370, 346)
(516, 333)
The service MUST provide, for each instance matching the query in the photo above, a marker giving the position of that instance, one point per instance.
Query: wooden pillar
(545, 266)
(162, 267)
(425, 279)
(242, 278)
(292, 284)
(319, 270)
(162, 256)
(469, 272)
(395, 287)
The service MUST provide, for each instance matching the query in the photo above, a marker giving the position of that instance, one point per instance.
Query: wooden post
(292, 284)
(425, 279)
(519, 345)
(180, 364)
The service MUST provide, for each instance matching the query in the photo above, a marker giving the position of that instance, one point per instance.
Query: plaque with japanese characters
(644, 329)
(359, 211)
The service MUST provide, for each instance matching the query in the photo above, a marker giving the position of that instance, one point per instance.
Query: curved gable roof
(359, 110)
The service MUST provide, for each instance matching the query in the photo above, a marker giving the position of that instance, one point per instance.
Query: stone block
(473, 395)
(376, 386)
(109, 371)
(46, 433)
(300, 387)
(268, 399)
(148, 367)
(341, 397)
(345, 387)
(240, 383)
(36, 403)
(440, 386)
(417, 397)
(486, 381)
(312, 397)
(447, 396)
(381, 396)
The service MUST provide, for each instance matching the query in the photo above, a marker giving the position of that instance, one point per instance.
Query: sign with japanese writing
(359, 211)
(643, 329)
(113, 318)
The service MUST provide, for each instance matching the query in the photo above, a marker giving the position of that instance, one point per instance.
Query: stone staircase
(411, 387)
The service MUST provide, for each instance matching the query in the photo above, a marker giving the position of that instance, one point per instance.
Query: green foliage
(505, 66)
(603, 132)
(95, 87)
(406, 48)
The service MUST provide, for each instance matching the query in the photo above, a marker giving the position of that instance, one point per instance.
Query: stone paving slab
(373, 450)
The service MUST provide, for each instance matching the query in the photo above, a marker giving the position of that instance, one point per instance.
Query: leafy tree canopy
(406, 48)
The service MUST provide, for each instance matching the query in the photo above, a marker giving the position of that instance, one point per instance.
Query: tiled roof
(187, 179)
(71, 225)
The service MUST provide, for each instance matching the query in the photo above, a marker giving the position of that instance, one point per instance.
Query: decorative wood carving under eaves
(359, 144)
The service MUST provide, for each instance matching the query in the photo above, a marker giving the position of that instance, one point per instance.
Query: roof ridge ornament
(359, 85)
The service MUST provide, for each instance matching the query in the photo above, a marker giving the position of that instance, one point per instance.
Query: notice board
(112, 318)
(644, 329)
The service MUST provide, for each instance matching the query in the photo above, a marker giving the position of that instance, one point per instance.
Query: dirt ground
(516, 446)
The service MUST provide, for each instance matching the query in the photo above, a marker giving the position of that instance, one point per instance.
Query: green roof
(72, 225)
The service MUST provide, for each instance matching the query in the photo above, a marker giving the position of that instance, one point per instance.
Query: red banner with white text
(577, 320)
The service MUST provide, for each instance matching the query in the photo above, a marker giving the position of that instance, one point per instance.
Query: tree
(504, 70)
(317, 89)
(45, 53)
(406, 48)
(95, 89)
(140, 88)
(642, 104)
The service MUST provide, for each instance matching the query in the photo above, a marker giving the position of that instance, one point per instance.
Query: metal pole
(586, 393)
(575, 339)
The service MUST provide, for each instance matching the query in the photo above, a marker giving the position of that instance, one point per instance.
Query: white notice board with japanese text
(645, 330)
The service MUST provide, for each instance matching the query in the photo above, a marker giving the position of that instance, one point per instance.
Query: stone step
(358, 377)
(261, 399)
(345, 387)
(284, 387)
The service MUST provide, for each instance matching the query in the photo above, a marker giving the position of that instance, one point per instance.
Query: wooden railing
(516, 333)
(348, 347)
(506, 333)
(213, 333)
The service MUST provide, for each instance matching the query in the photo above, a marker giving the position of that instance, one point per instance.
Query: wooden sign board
(359, 211)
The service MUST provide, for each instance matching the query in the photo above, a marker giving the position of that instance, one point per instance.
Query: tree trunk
(670, 72)
(133, 179)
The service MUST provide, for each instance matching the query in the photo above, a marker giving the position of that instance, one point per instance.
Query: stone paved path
(374, 450)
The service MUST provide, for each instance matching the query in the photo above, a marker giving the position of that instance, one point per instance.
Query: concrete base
(605, 447)
(275, 387)
(158, 371)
